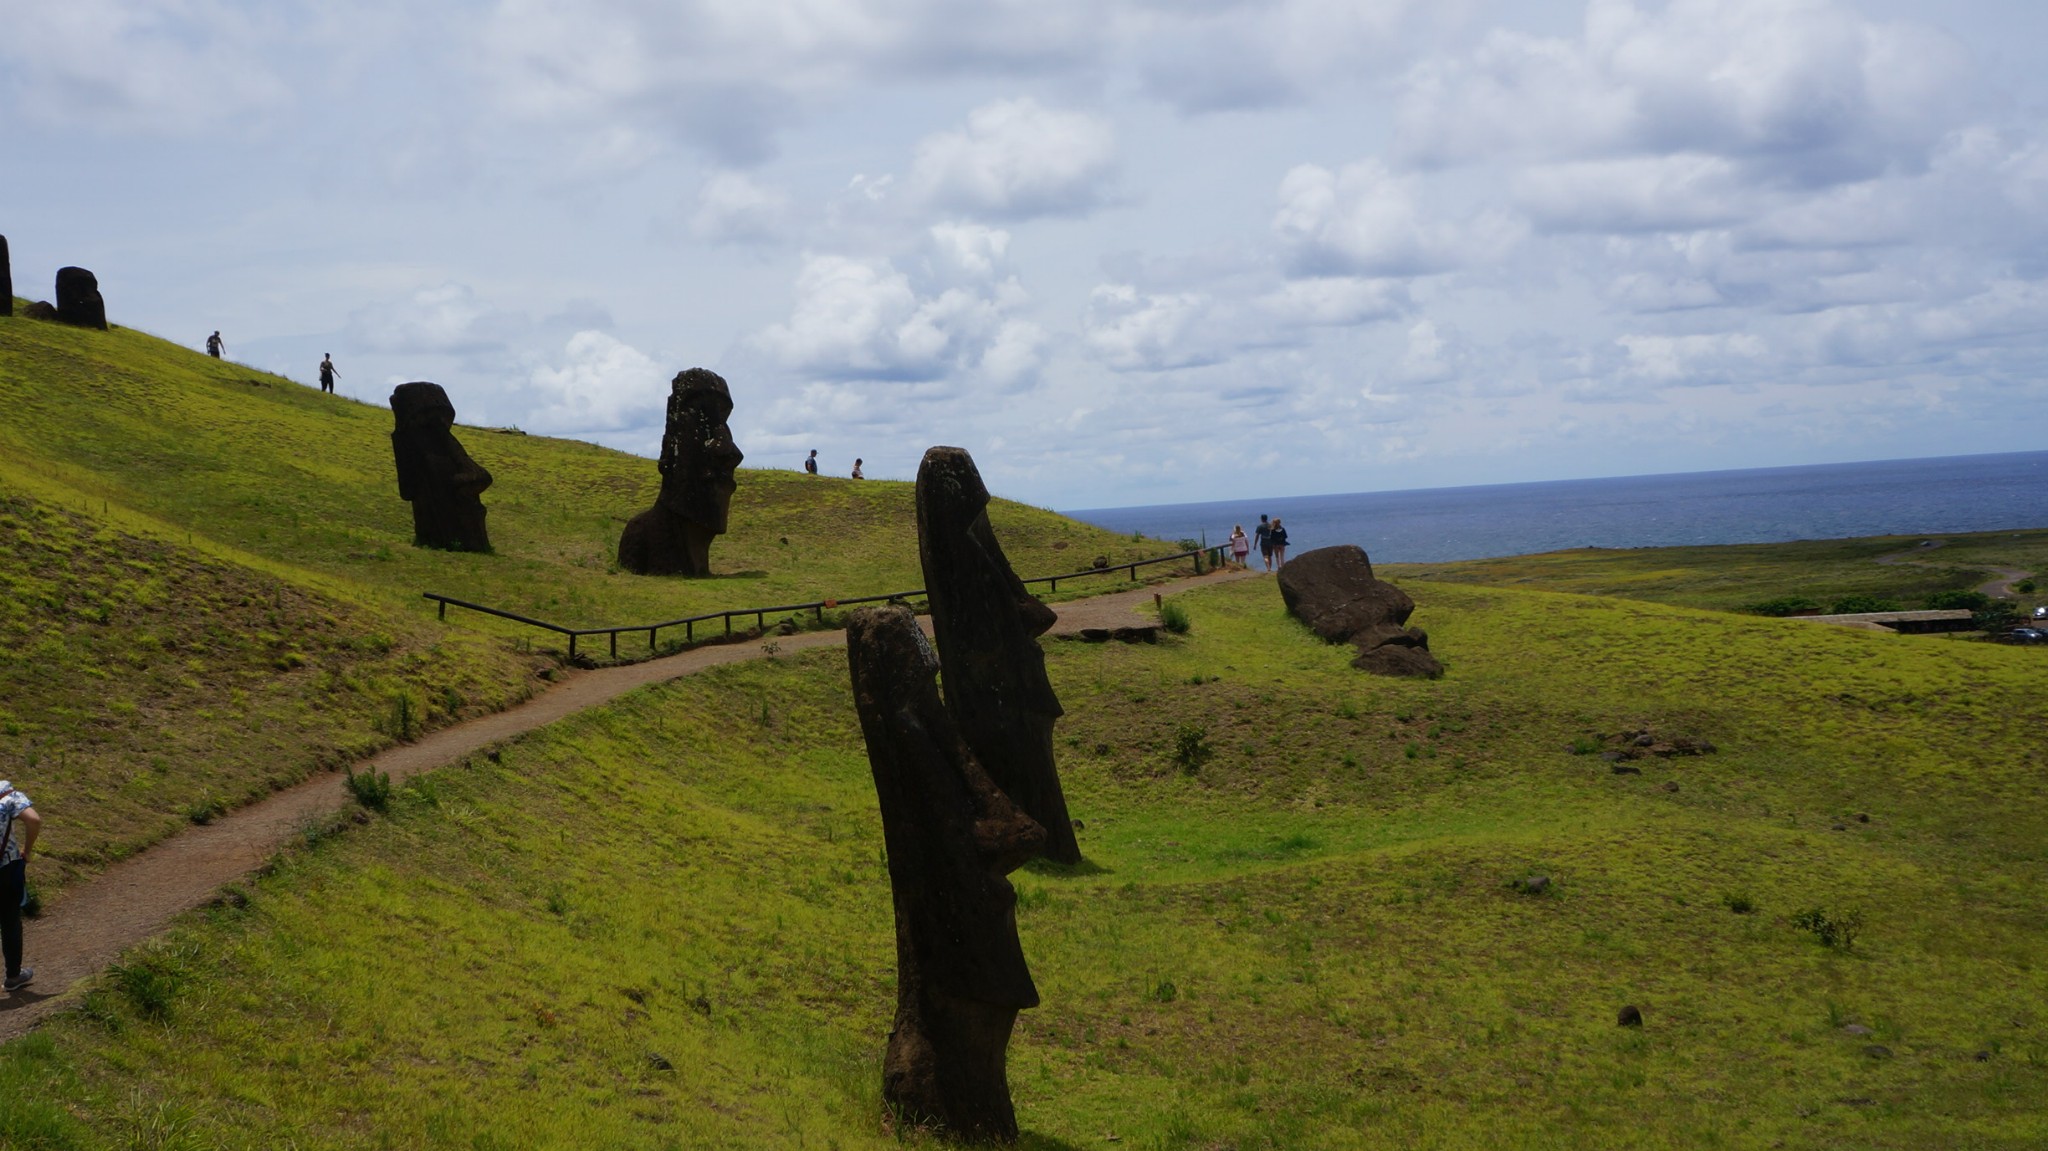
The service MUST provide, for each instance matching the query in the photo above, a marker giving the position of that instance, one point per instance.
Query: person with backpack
(811, 463)
(215, 345)
(19, 825)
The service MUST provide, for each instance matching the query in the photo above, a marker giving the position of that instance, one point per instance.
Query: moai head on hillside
(6, 281)
(78, 299)
(698, 455)
(951, 836)
(443, 484)
(988, 627)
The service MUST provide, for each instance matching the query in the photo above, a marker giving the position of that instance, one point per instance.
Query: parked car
(2027, 635)
(2041, 612)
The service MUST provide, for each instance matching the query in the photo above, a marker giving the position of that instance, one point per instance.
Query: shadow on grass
(1048, 868)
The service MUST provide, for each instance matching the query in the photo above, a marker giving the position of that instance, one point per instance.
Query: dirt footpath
(139, 896)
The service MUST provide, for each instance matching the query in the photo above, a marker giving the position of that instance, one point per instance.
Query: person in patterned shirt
(19, 824)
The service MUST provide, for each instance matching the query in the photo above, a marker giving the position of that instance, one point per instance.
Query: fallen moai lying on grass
(1334, 592)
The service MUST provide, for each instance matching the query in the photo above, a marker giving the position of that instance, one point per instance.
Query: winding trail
(1998, 587)
(138, 897)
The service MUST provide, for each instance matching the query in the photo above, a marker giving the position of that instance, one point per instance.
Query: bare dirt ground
(1999, 587)
(139, 896)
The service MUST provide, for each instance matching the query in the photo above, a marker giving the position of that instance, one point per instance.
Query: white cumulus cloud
(1017, 159)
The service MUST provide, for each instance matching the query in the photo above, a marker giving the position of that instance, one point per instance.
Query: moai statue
(988, 628)
(6, 281)
(443, 483)
(698, 459)
(78, 299)
(952, 836)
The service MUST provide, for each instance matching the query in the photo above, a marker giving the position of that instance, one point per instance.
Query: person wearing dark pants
(19, 824)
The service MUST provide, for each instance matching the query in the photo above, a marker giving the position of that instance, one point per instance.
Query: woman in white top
(19, 824)
(1240, 545)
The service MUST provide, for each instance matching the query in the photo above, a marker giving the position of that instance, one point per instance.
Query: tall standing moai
(78, 299)
(698, 459)
(6, 281)
(988, 627)
(952, 835)
(443, 484)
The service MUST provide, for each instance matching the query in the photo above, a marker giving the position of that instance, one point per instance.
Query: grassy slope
(1307, 941)
(211, 589)
(1734, 576)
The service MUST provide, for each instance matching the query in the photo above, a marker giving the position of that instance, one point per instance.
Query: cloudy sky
(1126, 251)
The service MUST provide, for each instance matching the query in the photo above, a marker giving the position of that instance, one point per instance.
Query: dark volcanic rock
(40, 310)
(78, 299)
(988, 627)
(6, 281)
(443, 484)
(951, 836)
(698, 458)
(1629, 1016)
(1334, 592)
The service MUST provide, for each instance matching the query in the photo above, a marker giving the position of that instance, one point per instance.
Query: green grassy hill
(211, 588)
(1304, 920)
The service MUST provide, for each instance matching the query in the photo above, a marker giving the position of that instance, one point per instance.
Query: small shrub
(1347, 710)
(1174, 617)
(203, 810)
(2024, 587)
(1191, 747)
(1738, 902)
(149, 986)
(1163, 991)
(1958, 600)
(1584, 745)
(1860, 604)
(1834, 929)
(558, 902)
(402, 718)
(1783, 606)
(372, 788)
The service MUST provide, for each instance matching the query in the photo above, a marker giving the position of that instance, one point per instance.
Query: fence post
(690, 631)
(650, 639)
(728, 623)
(443, 613)
(572, 645)
(615, 645)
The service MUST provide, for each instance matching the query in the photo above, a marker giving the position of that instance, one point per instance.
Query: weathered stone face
(698, 459)
(698, 455)
(6, 281)
(1334, 592)
(443, 484)
(988, 627)
(951, 836)
(78, 299)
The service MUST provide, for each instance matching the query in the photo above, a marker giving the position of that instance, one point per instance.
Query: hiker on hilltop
(19, 824)
(856, 470)
(215, 346)
(327, 372)
(811, 463)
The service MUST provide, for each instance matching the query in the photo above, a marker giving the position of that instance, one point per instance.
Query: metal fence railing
(761, 614)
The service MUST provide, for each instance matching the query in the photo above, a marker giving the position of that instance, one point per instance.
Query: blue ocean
(1755, 505)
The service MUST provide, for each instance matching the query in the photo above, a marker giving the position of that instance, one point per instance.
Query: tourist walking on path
(327, 372)
(1278, 539)
(1263, 537)
(17, 841)
(1240, 546)
(811, 463)
(856, 469)
(215, 346)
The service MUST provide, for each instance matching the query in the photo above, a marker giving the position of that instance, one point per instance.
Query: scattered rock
(1146, 634)
(1535, 884)
(1863, 817)
(1839, 827)
(40, 310)
(1079, 826)
(78, 299)
(786, 627)
(1982, 1057)
(702, 1005)
(1855, 1029)
(698, 458)
(658, 1062)
(1100, 562)
(1629, 1016)
(1641, 742)
(1333, 591)
(1671, 785)
(1627, 769)
(1878, 1051)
